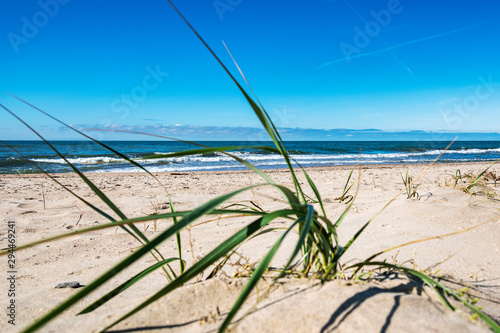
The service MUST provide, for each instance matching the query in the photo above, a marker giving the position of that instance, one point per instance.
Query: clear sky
(320, 64)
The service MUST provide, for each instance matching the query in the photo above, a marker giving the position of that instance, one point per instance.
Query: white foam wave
(223, 161)
(79, 160)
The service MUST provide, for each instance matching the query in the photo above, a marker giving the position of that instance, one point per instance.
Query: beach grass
(478, 183)
(345, 197)
(316, 253)
(410, 186)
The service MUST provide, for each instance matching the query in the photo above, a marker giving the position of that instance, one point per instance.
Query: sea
(90, 157)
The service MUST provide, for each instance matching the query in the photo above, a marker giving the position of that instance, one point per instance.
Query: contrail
(398, 61)
(397, 46)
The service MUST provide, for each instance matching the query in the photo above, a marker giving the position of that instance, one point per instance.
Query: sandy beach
(468, 258)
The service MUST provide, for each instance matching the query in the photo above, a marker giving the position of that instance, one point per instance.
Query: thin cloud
(398, 61)
(397, 46)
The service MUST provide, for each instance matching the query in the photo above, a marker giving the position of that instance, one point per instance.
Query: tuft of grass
(344, 197)
(318, 248)
(156, 207)
(457, 177)
(492, 176)
(410, 186)
(479, 183)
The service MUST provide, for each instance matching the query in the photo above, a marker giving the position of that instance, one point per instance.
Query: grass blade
(302, 237)
(478, 177)
(206, 151)
(99, 211)
(316, 192)
(187, 219)
(124, 222)
(209, 259)
(240, 160)
(182, 264)
(135, 233)
(91, 138)
(261, 113)
(256, 275)
(437, 287)
(130, 282)
(94, 188)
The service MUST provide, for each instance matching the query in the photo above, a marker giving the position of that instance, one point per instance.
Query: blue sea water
(90, 157)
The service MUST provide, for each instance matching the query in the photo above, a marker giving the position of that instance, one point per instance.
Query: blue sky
(395, 66)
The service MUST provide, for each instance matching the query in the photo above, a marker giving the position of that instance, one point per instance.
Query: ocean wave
(79, 160)
(273, 158)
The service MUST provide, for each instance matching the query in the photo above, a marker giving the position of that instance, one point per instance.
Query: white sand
(469, 258)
